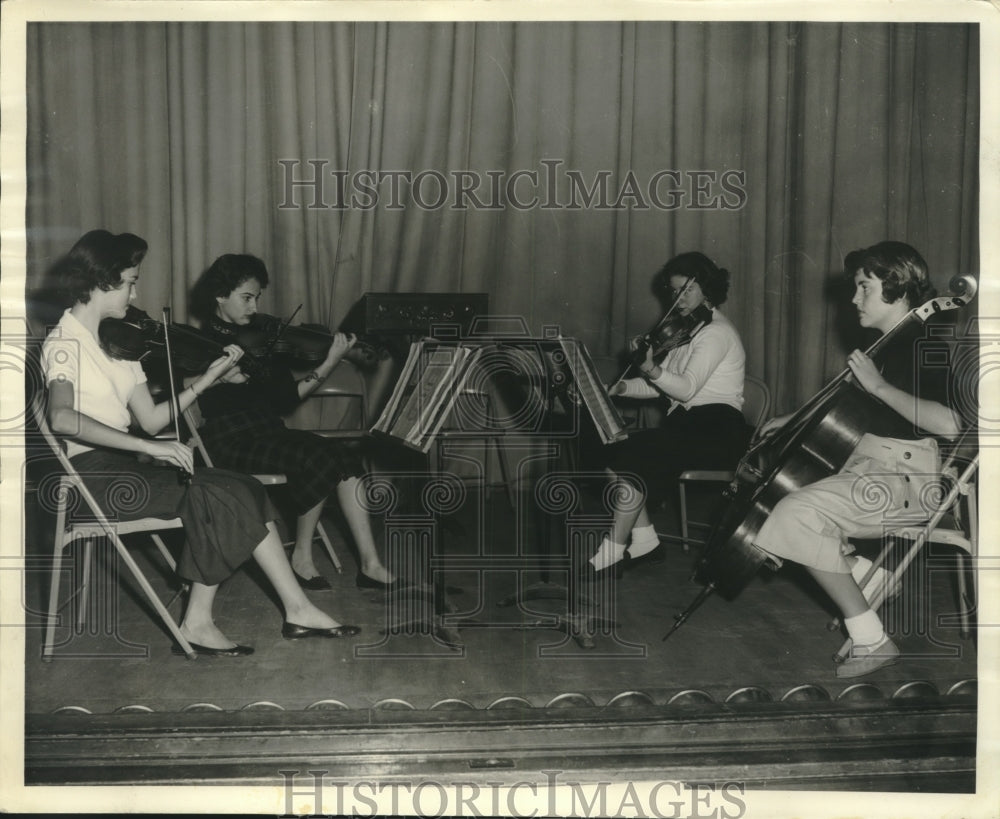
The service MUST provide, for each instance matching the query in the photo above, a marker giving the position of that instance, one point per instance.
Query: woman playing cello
(704, 425)
(91, 396)
(811, 525)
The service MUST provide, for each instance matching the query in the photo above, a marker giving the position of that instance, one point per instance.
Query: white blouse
(102, 386)
(713, 365)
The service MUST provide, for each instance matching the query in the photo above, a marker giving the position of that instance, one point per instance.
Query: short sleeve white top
(102, 386)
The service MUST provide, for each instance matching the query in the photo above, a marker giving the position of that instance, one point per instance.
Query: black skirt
(224, 513)
(711, 436)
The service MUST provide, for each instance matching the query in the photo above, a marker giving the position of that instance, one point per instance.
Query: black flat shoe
(205, 651)
(655, 556)
(588, 574)
(317, 583)
(363, 581)
(291, 631)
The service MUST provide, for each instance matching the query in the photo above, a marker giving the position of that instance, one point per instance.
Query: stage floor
(762, 647)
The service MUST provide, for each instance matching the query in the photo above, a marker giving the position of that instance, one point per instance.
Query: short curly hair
(712, 279)
(901, 269)
(222, 277)
(96, 262)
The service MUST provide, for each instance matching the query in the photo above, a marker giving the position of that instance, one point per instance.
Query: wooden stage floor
(745, 659)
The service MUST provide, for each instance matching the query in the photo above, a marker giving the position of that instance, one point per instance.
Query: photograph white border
(14, 797)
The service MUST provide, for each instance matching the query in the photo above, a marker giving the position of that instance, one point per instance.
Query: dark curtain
(777, 148)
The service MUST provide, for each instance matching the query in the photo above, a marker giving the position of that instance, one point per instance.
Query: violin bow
(175, 406)
(281, 330)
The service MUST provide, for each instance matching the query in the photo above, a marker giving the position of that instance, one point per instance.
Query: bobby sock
(609, 554)
(865, 629)
(644, 540)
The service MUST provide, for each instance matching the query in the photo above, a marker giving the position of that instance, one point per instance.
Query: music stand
(572, 385)
(543, 378)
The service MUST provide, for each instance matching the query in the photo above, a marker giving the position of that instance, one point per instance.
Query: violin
(671, 331)
(814, 443)
(304, 343)
(137, 336)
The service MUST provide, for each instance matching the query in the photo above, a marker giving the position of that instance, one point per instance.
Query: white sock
(865, 629)
(609, 554)
(644, 540)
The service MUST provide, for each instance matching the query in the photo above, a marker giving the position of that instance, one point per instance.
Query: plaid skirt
(224, 513)
(314, 465)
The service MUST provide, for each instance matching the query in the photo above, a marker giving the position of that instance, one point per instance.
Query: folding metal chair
(329, 406)
(192, 416)
(951, 525)
(756, 402)
(68, 530)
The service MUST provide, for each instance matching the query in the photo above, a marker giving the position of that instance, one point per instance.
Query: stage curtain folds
(189, 134)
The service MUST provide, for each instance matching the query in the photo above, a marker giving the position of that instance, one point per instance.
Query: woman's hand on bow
(771, 426)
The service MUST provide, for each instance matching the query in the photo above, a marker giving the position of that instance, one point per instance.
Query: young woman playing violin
(702, 381)
(244, 428)
(91, 396)
(811, 525)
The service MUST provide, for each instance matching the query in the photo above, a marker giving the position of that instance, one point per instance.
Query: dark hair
(901, 268)
(97, 260)
(224, 275)
(713, 280)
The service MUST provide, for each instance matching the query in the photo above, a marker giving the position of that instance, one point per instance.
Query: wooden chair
(756, 403)
(68, 530)
(193, 419)
(954, 523)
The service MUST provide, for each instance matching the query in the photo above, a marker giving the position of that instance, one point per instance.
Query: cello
(814, 443)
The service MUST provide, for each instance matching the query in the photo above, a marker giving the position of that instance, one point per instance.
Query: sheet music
(608, 421)
(436, 373)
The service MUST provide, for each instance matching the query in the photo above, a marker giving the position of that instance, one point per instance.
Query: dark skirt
(314, 465)
(224, 513)
(712, 436)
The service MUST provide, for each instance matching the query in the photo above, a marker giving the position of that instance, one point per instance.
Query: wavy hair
(901, 269)
(223, 276)
(712, 279)
(96, 261)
